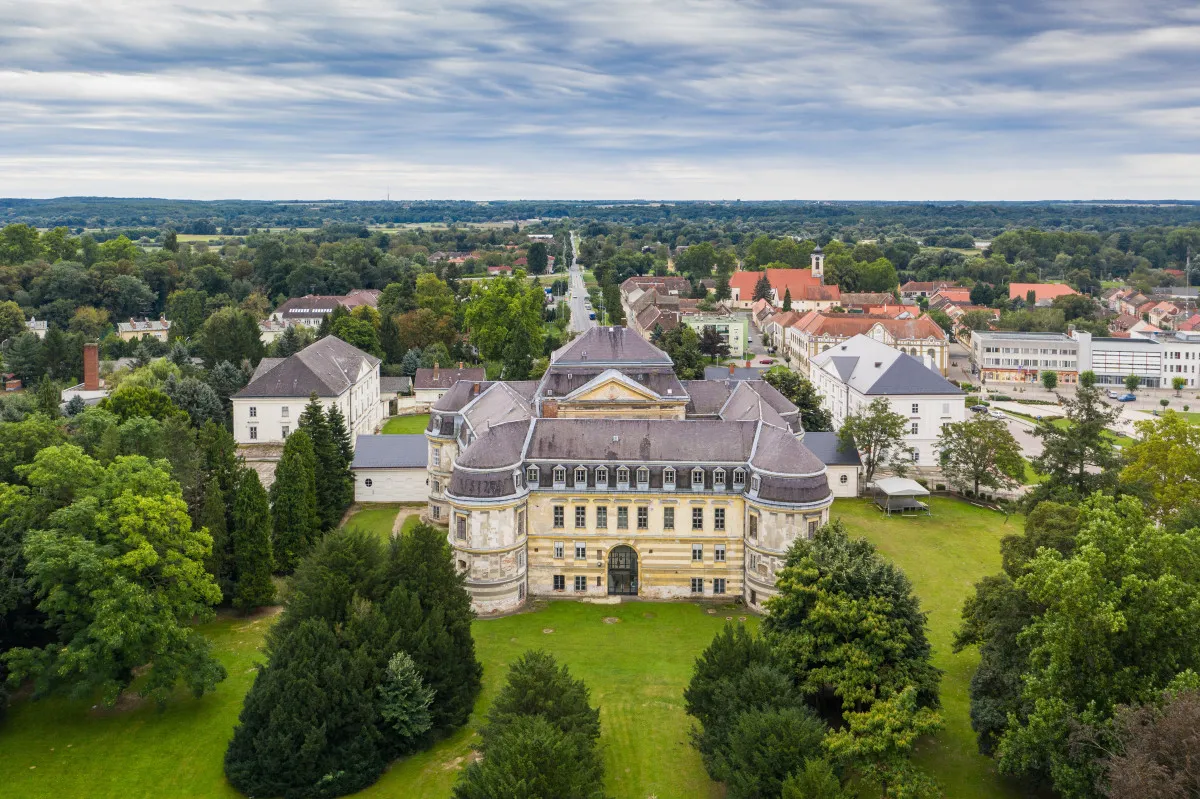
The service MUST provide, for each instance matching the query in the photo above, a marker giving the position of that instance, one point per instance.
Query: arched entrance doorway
(622, 571)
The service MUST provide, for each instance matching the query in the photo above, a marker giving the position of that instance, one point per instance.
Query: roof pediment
(613, 386)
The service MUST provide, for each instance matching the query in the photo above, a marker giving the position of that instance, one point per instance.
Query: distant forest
(935, 223)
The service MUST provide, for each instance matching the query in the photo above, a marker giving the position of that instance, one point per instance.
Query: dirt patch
(261, 614)
(610, 620)
(547, 630)
(125, 703)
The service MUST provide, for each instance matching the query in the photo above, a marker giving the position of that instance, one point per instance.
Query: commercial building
(856, 372)
(611, 477)
(1010, 357)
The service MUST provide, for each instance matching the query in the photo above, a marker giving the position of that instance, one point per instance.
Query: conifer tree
(787, 299)
(212, 516)
(327, 458)
(294, 502)
(532, 758)
(343, 478)
(252, 543)
(404, 702)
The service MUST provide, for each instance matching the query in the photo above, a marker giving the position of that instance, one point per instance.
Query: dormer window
(560, 476)
(531, 475)
(601, 477)
(739, 478)
(697, 478)
(623, 475)
(718, 479)
(580, 477)
(643, 477)
(755, 482)
(669, 477)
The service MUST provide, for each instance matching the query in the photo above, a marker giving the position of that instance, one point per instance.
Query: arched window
(697, 478)
(669, 477)
(560, 475)
(739, 478)
(719, 479)
(531, 475)
(623, 475)
(601, 477)
(932, 354)
(643, 477)
(580, 477)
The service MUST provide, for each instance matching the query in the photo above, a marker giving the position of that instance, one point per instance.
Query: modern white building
(268, 409)
(390, 468)
(851, 375)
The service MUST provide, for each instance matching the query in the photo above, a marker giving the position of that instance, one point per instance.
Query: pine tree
(762, 288)
(389, 339)
(327, 457)
(343, 479)
(532, 758)
(212, 516)
(252, 543)
(294, 502)
(537, 686)
(404, 702)
(411, 362)
(787, 299)
(308, 727)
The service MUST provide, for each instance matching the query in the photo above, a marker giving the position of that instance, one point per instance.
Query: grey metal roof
(609, 346)
(907, 375)
(327, 367)
(737, 373)
(391, 452)
(746, 403)
(698, 440)
(873, 368)
(445, 378)
(395, 385)
(830, 451)
(560, 381)
(778, 450)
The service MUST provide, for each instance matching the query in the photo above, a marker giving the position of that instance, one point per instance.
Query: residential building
(854, 373)
(1044, 293)
(949, 296)
(860, 301)
(146, 328)
(430, 384)
(914, 289)
(815, 332)
(268, 409)
(733, 329)
(1010, 357)
(611, 477)
(271, 329)
(37, 327)
(390, 468)
(310, 309)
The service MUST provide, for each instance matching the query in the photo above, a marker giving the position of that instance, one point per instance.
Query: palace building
(610, 476)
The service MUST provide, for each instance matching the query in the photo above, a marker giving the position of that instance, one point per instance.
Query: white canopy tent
(899, 494)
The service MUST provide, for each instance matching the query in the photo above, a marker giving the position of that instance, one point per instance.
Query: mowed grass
(376, 518)
(944, 555)
(636, 668)
(400, 425)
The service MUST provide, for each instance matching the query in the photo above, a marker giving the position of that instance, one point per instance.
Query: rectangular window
(602, 517)
(668, 518)
(580, 551)
(520, 559)
(718, 585)
(812, 527)
(558, 549)
(697, 518)
(437, 456)
(253, 412)
(719, 518)
(560, 582)
(285, 430)
(580, 582)
(437, 512)
(697, 553)
(913, 429)
(697, 585)
(580, 516)
(754, 560)
(559, 516)
(623, 518)
(753, 527)
(253, 433)
(521, 527)
(916, 408)
(719, 553)
(643, 518)
(460, 528)
(283, 412)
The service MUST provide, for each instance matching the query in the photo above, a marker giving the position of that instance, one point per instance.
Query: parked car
(996, 414)
(591, 316)
(1112, 394)
(765, 360)
(1127, 398)
(978, 409)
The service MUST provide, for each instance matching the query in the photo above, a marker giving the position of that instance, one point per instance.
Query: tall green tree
(538, 686)
(532, 758)
(253, 559)
(1164, 462)
(762, 288)
(800, 392)
(980, 452)
(120, 570)
(330, 478)
(537, 258)
(711, 343)
(878, 433)
(1078, 456)
(231, 335)
(220, 562)
(504, 315)
(12, 320)
(683, 346)
(295, 521)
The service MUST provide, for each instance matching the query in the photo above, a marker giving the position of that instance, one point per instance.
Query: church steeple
(818, 264)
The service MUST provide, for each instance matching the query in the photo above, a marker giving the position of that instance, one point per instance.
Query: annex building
(610, 476)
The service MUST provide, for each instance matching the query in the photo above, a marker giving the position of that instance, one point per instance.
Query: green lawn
(406, 424)
(376, 518)
(636, 668)
(944, 555)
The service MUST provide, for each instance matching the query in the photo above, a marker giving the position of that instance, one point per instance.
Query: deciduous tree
(801, 393)
(878, 433)
(980, 452)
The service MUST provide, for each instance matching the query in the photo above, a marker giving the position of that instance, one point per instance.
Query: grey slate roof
(873, 368)
(609, 346)
(907, 375)
(496, 447)
(706, 397)
(395, 385)
(700, 440)
(327, 367)
(559, 382)
(424, 378)
(779, 451)
(830, 451)
(458, 395)
(391, 452)
(739, 373)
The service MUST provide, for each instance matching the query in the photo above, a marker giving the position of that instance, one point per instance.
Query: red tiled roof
(800, 282)
(1042, 291)
(848, 325)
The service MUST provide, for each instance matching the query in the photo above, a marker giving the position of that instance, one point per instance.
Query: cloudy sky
(682, 99)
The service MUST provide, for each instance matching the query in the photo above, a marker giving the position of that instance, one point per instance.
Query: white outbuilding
(390, 468)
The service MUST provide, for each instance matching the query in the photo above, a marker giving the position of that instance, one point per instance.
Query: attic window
(622, 475)
(669, 477)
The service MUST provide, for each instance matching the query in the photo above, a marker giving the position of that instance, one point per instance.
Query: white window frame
(755, 483)
(531, 475)
(601, 477)
(697, 585)
(719, 553)
(580, 583)
(669, 518)
(718, 518)
(643, 477)
(602, 517)
(559, 548)
(718, 585)
(253, 432)
(669, 477)
(560, 476)
(718, 479)
(697, 485)
(697, 553)
(253, 411)
(622, 476)
(580, 482)
(580, 551)
(739, 478)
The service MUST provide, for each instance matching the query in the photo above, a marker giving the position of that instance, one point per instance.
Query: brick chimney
(731, 368)
(475, 389)
(436, 369)
(550, 409)
(91, 367)
(460, 364)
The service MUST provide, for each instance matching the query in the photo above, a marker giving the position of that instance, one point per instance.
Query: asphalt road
(577, 294)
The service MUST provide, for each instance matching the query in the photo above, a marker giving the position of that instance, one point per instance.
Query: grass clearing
(379, 519)
(944, 555)
(406, 425)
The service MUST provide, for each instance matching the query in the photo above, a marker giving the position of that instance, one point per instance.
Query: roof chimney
(550, 409)
(475, 389)
(731, 370)
(436, 369)
(460, 364)
(91, 367)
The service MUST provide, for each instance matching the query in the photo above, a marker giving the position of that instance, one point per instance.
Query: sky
(619, 99)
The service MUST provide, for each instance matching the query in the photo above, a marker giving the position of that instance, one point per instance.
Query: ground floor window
(437, 512)
(697, 585)
(580, 582)
(697, 552)
(718, 585)
(520, 590)
(558, 549)
(560, 582)
(719, 553)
